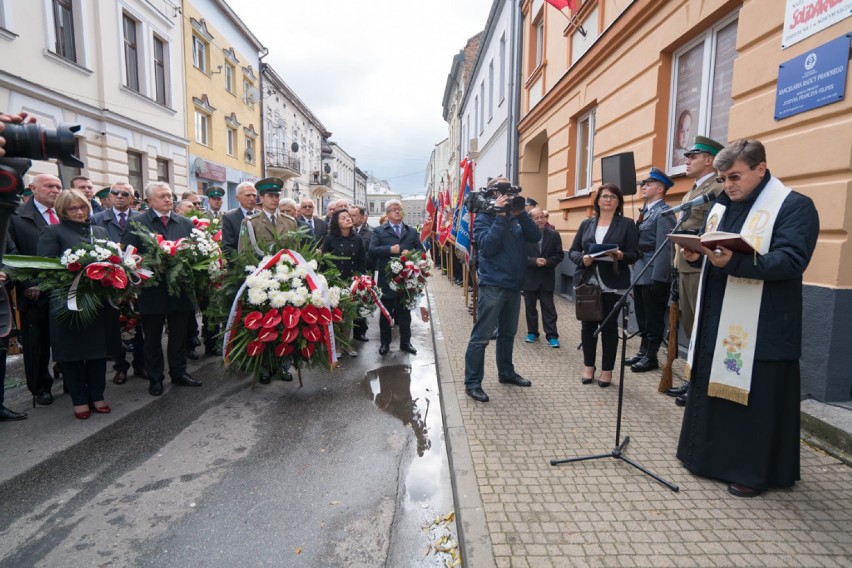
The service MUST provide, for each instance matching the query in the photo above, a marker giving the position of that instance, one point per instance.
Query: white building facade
(378, 194)
(115, 68)
(342, 174)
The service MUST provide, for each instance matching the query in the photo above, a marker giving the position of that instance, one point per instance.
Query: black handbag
(588, 302)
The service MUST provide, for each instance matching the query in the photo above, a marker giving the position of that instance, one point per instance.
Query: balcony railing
(280, 158)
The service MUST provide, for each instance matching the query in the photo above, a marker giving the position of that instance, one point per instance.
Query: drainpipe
(515, 106)
(262, 146)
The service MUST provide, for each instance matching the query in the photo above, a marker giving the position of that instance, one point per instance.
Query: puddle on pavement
(410, 394)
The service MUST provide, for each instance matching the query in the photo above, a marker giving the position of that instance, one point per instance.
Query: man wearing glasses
(741, 423)
(116, 221)
(232, 220)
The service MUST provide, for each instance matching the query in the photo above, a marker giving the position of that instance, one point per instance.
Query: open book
(712, 240)
(601, 251)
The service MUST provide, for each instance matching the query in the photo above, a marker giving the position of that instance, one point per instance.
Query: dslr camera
(484, 200)
(25, 142)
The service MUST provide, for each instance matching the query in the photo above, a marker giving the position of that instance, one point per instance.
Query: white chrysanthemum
(287, 260)
(255, 282)
(300, 272)
(396, 266)
(316, 298)
(334, 296)
(313, 263)
(392, 285)
(257, 296)
(277, 298)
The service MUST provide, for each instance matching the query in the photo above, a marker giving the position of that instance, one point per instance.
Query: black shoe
(191, 354)
(678, 391)
(646, 364)
(362, 338)
(265, 378)
(635, 359)
(408, 348)
(517, 380)
(185, 380)
(477, 394)
(681, 400)
(743, 491)
(7, 415)
(120, 377)
(383, 349)
(140, 372)
(155, 388)
(44, 398)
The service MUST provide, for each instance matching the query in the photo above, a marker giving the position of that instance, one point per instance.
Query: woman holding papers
(609, 268)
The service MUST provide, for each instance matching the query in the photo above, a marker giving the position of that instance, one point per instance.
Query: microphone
(698, 201)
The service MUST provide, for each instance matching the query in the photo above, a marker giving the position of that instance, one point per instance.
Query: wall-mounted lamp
(218, 71)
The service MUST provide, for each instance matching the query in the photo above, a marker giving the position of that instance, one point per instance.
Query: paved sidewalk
(516, 510)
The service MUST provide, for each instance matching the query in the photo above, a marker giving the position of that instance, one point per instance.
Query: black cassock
(755, 445)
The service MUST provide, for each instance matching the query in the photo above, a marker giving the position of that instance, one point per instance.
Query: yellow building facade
(223, 85)
(648, 76)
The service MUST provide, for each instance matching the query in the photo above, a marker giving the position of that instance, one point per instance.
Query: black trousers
(651, 302)
(609, 336)
(360, 327)
(86, 380)
(152, 327)
(35, 334)
(548, 312)
(401, 316)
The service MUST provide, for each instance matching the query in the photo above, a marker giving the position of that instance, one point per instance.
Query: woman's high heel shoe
(604, 384)
(84, 415)
(105, 409)
(589, 380)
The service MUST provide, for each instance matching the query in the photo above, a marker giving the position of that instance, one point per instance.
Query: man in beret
(699, 166)
(264, 232)
(653, 286)
(214, 203)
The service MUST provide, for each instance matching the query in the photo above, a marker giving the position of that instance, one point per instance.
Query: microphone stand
(621, 306)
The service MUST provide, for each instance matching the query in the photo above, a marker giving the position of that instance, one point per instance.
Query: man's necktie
(54, 220)
(165, 220)
(272, 218)
(396, 230)
(641, 216)
(122, 222)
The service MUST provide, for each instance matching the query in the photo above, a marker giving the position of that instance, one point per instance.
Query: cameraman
(501, 234)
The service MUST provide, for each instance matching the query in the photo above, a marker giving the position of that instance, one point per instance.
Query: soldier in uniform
(105, 198)
(699, 166)
(265, 232)
(652, 290)
(214, 203)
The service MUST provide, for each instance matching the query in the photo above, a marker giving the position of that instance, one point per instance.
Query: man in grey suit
(653, 288)
(233, 220)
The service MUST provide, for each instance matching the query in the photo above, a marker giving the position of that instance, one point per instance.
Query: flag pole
(578, 27)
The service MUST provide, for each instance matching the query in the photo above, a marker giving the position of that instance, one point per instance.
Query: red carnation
(115, 259)
(252, 320)
(403, 259)
(75, 267)
(255, 348)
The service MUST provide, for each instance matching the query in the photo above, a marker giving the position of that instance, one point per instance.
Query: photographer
(501, 231)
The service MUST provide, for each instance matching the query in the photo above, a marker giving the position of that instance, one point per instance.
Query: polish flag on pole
(562, 4)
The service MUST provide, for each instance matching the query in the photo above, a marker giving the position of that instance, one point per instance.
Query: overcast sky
(372, 71)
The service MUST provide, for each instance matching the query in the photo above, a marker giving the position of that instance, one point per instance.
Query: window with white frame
(134, 169)
(491, 89)
(130, 28)
(199, 53)
(482, 106)
(702, 73)
(231, 135)
(249, 153)
(160, 71)
(539, 43)
(247, 89)
(502, 81)
(229, 77)
(65, 41)
(163, 170)
(476, 114)
(202, 127)
(585, 151)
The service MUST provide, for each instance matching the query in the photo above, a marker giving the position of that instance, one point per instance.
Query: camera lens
(38, 143)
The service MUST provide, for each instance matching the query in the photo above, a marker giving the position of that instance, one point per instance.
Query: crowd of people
(53, 219)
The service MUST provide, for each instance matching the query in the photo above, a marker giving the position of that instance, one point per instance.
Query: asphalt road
(349, 470)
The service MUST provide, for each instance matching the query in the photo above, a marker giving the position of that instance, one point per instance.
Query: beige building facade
(115, 68)
(646, 78)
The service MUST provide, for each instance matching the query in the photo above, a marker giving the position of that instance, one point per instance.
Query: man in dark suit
(391, 240)
(156, 305)
(653, 287)
(542, 259)
(317, 228)
(232, 220)
(25, 227)
(116, 220)
(86, 186)
(363, 230)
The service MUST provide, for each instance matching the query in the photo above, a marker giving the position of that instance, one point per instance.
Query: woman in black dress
(342, 242)
(612, 272)
(81, 349)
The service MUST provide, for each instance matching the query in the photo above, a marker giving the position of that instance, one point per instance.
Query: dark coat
(366, 234)
(231, 223)
(351, 248)
(652, 234)
(384, 238)
(622, 231)
(25, 228)
(502, 243)
(156, 299)
(320, 229)
(544, 277)
(109, 221)
(70, 340)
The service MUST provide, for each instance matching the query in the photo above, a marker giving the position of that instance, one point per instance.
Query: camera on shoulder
(485, 199)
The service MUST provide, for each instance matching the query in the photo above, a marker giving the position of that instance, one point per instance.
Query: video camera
(484, 200)
(25, 142)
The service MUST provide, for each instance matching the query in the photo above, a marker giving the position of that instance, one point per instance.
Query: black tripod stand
(618, 451)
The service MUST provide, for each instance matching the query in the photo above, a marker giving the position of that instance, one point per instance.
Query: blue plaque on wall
(813, 79)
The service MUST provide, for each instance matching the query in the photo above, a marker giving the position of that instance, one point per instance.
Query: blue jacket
(502, 244)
